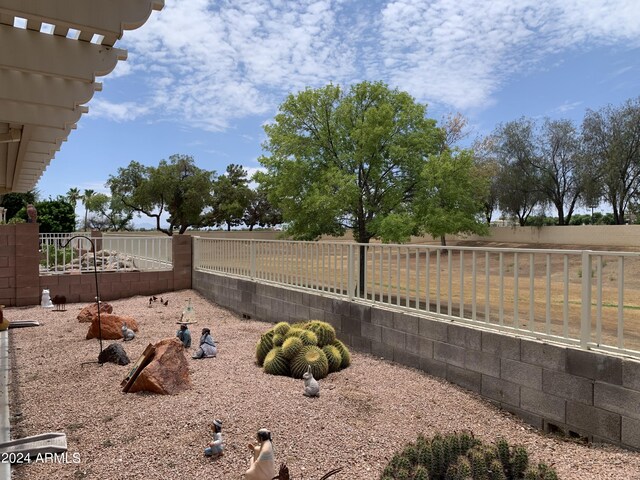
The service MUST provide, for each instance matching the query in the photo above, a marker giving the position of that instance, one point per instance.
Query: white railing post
(252, 250)
(350, 272)
(585, 318)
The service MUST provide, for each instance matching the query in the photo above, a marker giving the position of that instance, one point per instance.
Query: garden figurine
(262, 461)
(207, 347)
(311, 385)
(184, 335)
(127, 333)
(216, 447)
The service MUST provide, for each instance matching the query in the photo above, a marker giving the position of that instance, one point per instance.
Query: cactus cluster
(289, 349)
(461, 456)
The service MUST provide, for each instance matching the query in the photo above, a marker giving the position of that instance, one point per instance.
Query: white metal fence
(581, 297)
(62, 253)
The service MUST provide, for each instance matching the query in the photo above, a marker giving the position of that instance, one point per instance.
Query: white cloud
(459, 53)
(119, 112)
(208, 63)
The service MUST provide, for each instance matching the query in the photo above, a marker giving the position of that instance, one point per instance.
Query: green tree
(347, 159)
(73, 195)
(560, 167)
(86, 199)
(54, 216)
(231, 198)
(177, 187)
(111, 214)
(452, 195)
(515, 148)
(260, 211)
(612, 140)
(14, 202)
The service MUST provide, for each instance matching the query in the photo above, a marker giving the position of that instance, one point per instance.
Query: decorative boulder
(90, 311)
(111, 326)
(114, 353)
(168, 371)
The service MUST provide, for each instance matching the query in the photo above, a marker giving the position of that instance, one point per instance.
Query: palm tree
(73, 195)
(88, 193)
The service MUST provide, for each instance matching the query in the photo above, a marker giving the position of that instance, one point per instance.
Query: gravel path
(364, 414)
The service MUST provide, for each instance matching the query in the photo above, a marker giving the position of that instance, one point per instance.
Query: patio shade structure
(50, 55)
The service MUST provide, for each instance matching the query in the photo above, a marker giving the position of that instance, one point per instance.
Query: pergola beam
(35, 52)
(43, 90)
(107, 18)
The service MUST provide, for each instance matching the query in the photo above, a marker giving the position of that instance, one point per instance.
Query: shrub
(461, 456)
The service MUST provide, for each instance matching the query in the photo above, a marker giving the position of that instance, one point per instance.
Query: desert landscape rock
(168, 371)
(111, 326)
(90, 311)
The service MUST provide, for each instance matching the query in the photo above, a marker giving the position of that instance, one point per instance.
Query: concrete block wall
(114, 285)
(19, 267)
(21, 283)
(552, 387)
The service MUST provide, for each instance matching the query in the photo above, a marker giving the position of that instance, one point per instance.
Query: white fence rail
(580, 297)
(71, 252)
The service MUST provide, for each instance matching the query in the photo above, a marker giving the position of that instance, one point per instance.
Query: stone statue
(216, 447)
(127, 333)
(46, 299)
(262, 466)
(311, 385)
(32, 213)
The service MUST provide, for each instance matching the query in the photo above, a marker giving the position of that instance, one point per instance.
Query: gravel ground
(364, 414)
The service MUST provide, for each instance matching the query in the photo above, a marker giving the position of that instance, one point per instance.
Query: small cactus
(520, 462)
(434, 459)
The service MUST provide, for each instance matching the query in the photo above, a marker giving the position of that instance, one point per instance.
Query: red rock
(111, 326)
(168, 371)
(90, 311)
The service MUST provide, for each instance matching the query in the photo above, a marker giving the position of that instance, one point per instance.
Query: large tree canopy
(612, 140)
(452, 197)
(347, 159)
(231, 198)
(177, 187)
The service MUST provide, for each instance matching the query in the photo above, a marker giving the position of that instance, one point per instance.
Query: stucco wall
(552, 387)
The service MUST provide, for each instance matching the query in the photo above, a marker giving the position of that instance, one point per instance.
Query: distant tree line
(560, 166)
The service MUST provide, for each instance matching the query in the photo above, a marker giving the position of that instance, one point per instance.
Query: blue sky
(203, 76)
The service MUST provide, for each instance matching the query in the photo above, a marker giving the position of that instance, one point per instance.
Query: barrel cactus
(324, 331)
(263, 347)
(291, 347)
(313, 356)
(278, 339)
(286, 349)
(275, 363)
(333, 357)
(309, 338)
(344, 353)
(294, 332)
(282, 328)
